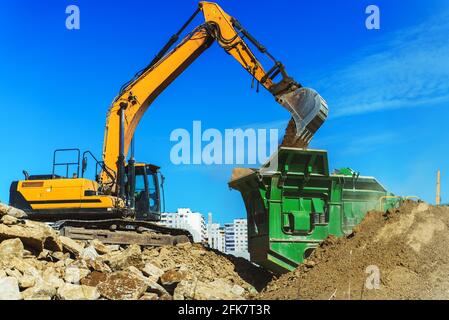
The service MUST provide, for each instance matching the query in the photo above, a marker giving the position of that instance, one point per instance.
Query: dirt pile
(291, 140)
(37, 263)
(401, 254)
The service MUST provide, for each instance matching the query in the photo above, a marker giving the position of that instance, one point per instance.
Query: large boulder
(100, 247)
(53, 276)
(152, 272)
(77, 292)
(71, 246)
(11, 248)
(27, 281)
(123, 286)
(132, 256)
(98, 265)
(9, 220)
(89, 254)
(94, 279)
(11, 211)
(25, 266)
(9, 289)
(149, 296)
(198, 290)
(34, 235)
(42, 290)
(153, 286)
(75, 274)
(172, 277)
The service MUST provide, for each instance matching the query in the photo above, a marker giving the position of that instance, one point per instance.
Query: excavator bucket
(309, 111)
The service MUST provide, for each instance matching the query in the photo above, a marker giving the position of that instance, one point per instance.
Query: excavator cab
(143, 190)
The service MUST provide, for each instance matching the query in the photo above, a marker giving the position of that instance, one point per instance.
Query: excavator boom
(308, 109)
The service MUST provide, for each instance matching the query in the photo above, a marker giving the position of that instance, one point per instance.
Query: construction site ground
(406, 246)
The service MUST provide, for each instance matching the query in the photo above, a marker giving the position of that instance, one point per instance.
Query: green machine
(293, 203)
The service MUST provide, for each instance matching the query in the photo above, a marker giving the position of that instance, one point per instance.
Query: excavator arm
(308, 109)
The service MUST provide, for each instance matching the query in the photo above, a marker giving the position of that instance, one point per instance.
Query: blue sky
(387, 90)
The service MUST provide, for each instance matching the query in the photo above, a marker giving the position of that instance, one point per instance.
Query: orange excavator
(127, 195)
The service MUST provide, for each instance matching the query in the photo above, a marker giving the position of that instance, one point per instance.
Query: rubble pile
(36, 263)
(400, 254)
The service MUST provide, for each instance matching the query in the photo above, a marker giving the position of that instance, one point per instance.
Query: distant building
(229, 237)
(215, 235)
(236, 238)
(185, 219)
(241, 235)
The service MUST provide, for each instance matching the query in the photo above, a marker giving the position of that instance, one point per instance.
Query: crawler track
(123, 232)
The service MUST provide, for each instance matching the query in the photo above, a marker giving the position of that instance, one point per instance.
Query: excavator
(128, 195)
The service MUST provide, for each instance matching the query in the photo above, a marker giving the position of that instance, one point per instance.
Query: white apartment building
(215, 235)
(241, 235)
(185, 219)
(236, 238)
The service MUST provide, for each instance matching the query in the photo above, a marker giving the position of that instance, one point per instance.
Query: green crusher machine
(293, 204)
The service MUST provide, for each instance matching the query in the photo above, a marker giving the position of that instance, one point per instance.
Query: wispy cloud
(408, 68)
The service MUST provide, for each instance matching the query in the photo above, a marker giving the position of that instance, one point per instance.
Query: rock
(132, 256)
(97, 265)
(71, 246)
(9, 220)
(100, 247)
(68, 262)
(27, 281)
(53, 277)
(24, 267)
(149, 296)
(113, 247)
(40, 291)
(3, 274)
(89, 253)
(198, 290)
(9, 289)
(166, 297)
(123, 286)
(79, 263)
(153, 286)
(27, 296)
(238, 290)
(153, 272)
(14, 273)
(35, 235)
(309, 263)
(94, 279)
(77, 292)
(28, 254)
(11, 211)
(157, 288)
(59, 255)
(135, 271)
(74, 274)
(44, 255)
(184, 245)
(172, 277)
(12, 247)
